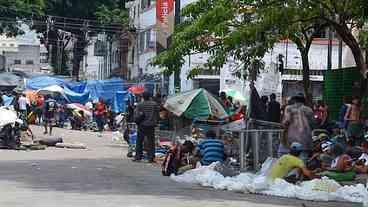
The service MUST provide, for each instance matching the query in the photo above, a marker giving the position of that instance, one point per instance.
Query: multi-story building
(24, 53)
(103, 57)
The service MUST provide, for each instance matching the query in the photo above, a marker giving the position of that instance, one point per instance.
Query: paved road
(102, 177)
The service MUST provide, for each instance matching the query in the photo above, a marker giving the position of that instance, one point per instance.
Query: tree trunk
(78, 54)
(349, 39)
(306, 78)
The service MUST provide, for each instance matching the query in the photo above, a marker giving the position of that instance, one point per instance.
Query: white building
(23, 53)
(102, 58)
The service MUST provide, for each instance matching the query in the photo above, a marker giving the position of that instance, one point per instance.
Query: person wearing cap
(298, 123)
(290, 162)
(146, 115)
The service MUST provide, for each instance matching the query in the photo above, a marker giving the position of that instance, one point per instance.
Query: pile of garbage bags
(323, 189)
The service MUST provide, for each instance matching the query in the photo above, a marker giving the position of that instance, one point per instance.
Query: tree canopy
(245, 30)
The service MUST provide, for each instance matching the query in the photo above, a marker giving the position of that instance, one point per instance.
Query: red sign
(164, 8)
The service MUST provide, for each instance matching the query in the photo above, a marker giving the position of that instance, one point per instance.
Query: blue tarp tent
(44, 81)
(74, 97)
(120, 101)
(105, 89)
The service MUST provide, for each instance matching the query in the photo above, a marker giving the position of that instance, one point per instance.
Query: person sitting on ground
(211, 149)
(177, 159)
(361, 165)
(341, 162)
(289, 162)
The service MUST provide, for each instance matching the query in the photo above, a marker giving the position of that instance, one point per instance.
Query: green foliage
(112, 15)
(13, 10)
(225, 30)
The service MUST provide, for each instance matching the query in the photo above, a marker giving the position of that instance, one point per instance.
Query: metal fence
(259, 140)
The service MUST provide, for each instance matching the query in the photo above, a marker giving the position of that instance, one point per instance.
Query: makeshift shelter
(120, 101)
(44, 81)
(197, 103)
(54, 91)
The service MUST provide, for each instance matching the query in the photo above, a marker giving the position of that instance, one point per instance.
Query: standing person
(225, 101)
(39, 105)
(355, 128)
(298, 122)
(49, 111)
(264, 102)
(274, 110)
(62, 115)
(100, 113)
(22, 109)
(146, 117)
(343, 123)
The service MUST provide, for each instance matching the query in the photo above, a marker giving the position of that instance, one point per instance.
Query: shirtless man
(353, 117)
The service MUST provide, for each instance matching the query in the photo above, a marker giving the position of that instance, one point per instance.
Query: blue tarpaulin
(120, 101)
(7, 100)
(44, 81)
(80, 92)
(105, 89)
(74, 97)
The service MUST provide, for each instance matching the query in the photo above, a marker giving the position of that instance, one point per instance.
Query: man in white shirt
(22, 103)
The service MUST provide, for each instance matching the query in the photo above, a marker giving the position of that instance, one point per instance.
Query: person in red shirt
(239, 114)
(99, 114)
(39, 106)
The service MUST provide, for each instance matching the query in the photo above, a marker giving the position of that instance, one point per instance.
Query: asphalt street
(101, 176)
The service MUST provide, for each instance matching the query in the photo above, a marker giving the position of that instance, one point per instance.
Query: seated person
(177, 159)
(361, 165)
(322, 156)
(342, 162)
(211, 149)
(290, 162)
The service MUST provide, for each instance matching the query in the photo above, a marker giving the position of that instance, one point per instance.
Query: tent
(105, 89)
(54, 91)
(44, 81)
(75, 97)
(237, 96)
(80, 107)
(197, 103)
(120, 101)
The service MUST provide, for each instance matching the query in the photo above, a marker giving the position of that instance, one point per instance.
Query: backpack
(170, 164)
(51, 106)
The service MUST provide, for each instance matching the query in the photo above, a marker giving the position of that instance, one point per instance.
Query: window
(29, 62)
(147, 40)
(17, 62)
(145, 4)
(4, 44)
(11, 45)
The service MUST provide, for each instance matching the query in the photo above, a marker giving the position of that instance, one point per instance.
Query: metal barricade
(259, 140)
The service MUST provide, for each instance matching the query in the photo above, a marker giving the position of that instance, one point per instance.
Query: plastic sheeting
(316, 190)
(120, 100)
(44, 81)
(80, 92)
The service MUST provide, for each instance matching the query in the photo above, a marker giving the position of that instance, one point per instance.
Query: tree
(13, 12)
(347, 17)
(225, 30)
(242, 31)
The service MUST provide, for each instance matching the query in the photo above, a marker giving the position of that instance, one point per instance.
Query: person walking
(49, 111)
(298, 123)
(22, 109)
(146, 117)
(274, 109)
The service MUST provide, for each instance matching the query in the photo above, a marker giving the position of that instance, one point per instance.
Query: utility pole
(329, 54)
(177, 22)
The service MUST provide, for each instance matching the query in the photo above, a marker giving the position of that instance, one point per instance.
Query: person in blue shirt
(211, 149)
